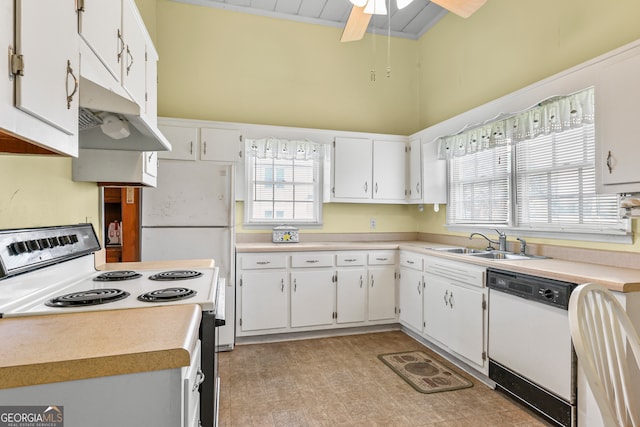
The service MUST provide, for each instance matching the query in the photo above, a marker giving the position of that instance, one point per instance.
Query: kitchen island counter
(620, 279)
(74, 346)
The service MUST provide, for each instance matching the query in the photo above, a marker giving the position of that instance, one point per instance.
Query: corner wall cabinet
(293, 292)
(369, 170)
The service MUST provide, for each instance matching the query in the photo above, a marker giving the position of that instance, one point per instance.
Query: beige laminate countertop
(615, 278)
(155, 265)
(74, 346)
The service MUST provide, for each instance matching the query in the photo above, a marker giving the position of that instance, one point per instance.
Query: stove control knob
(33, 245)
(44, 243)
(66, 240)
(18, 248)
(53, 241)
(74, 238)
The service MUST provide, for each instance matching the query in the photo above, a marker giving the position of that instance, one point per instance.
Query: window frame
(563, 231)
(318, 180)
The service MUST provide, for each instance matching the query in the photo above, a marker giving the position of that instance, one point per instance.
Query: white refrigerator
(191, 215)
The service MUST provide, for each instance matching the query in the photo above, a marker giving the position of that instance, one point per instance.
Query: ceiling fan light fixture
(376, 7)
(359, 3)
(403, 3)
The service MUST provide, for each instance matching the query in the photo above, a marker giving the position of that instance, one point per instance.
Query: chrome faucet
(501, 242)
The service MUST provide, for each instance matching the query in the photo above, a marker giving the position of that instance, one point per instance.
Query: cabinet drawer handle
(609, 166)
(419, 283)
(263, 262)
(350, 260)
(312, 261)
(382, 259)
(361, 281)
(199, 380)
(372, 280)
(75, 84)
(410, 262)
(282, 285)
(295, 285)
(190, 147)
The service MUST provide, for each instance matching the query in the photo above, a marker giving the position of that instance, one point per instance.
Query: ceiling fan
(362, 10)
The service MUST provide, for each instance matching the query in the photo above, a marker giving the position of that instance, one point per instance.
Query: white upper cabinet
(414, 190)
(369, 170)
(133, 58)
(617, 95)
(389, 170)
(434, 175)
(190, 140)
(42, 46)
(100, 26)
(352, 166)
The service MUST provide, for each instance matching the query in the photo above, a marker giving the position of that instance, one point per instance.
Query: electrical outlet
(372, 223)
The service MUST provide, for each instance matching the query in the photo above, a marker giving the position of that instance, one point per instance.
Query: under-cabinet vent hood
(109, 121)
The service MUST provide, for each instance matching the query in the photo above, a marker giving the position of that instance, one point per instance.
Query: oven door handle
(220, 303)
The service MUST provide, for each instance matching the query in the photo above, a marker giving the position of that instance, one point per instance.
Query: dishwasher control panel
(543, 290)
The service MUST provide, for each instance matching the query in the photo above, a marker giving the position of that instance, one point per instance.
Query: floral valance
(284, 149)
(552, 115)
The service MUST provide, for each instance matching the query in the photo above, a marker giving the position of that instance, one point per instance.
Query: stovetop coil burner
(114, 276)
(176, 275)
(86, 298)
(167, 294)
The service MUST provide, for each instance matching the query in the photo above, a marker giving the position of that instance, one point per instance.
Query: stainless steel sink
(464, 251)
(504, 256)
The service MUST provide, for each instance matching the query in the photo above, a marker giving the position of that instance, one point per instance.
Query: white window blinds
(479, 188)
(556, 183)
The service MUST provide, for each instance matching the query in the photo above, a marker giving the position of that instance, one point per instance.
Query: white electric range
(50, 270)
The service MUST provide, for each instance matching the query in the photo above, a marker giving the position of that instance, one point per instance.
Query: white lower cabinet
(305, 291)
(312, 298)
(455, 309)
(264, 296)
(411, 287)
(351, 298)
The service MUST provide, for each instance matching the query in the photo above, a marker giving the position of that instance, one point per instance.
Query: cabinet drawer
(312, 259)
(382, 258)
(347, 259)
(259, 261)
(410, 260)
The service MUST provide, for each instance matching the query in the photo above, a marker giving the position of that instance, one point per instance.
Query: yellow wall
(221, 65)
(38, 191)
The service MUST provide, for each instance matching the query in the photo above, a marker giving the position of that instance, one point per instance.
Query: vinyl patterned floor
(339, 381)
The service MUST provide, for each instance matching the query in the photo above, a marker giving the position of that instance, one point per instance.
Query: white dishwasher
(531, 356)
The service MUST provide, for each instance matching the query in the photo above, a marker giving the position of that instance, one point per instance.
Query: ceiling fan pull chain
(389, 39)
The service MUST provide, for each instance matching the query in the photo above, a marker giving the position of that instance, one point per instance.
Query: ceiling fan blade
(463, 8)
(356, 25)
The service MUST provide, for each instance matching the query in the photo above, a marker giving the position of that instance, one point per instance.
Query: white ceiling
(410, 22)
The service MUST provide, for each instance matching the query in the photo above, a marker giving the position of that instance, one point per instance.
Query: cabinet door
(437, 312)
(617, 93)
(184, 142)
(263, 300)
(312, 298)
(434, 175)
(99, 25)
(220, 144)
(382, 293)
(415, 171)
(351, 296)
(468, 320)
(411, 287)
(389, 170)
(352, 168)
(47, 38)
(134, 73)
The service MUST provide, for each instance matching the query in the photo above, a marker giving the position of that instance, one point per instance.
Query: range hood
(109, 121)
